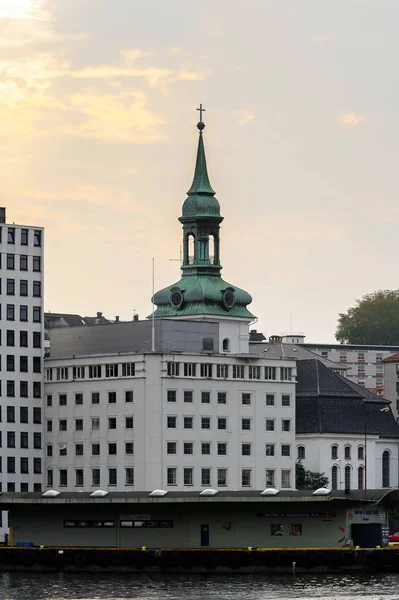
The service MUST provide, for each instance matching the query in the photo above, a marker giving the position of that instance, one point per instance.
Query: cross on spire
(201, 111)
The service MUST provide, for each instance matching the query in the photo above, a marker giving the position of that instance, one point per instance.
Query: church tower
(201, 293)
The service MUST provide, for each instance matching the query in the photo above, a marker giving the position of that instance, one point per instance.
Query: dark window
(171, 395)
(222, 449)
(205, 476)
(11, 485)
(285, 425)
(50, 425)
(112, 397)
(112, 423)
(37, 340)
(205, 397)
(79, 424)
(23, 414)
(95, 449)
(63, 477)
(246, 449)
(334, 478)
(95, 476)
(10, 362)
(188, 396)
(285, 400)
(37, 440)
(11, 235)
(301, 452)
(79, 477)
(222, 423)
(36, 314)
(188, 448)
(11, 464)
(37, 237)
(37, 366)
(129, 422)
(112, 476)
(246, 399)
(23, 312)
(188, 422)
(129, 396)
(49, 400)
(360, 478)
(37, 389)
(347, 452)
(37, 465)
(23, 287)
(78, 398)
(285, 450)
(10, 389)
(129, 448)
(246, 424)
(10, 312)
(205, 448)
(37, 289)
(23, 262)
(23, 339)
(63, 424)
(10, 439)
(188, 476)
(24, 464)
(23, 364)
(37, 415)
(360, 455)
(95, 398)
(37, 263)
(62, 400)
(222, 398)
(171, 422)
(207, 344)
(10, 414)
(386, 469)
(205, 422)
(50, 477)
(10, 287)
(10, 337)
(334, 452)
(348, 473)
(79, 449)
(24, 237)
(10, 261)
(23, 389)
(112, 448)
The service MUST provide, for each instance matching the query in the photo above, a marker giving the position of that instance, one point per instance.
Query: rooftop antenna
(153, 308)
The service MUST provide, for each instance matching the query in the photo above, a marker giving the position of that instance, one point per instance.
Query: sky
(98, 106)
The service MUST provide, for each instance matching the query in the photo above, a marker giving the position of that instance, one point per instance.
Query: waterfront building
(178, 401)
(21, 348)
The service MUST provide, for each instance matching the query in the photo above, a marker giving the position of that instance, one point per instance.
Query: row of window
(385, 475)
(221, 422)
(23, 262)
(95, 449)
(95, 398)
(225, 371)
(23, 439)
(222, 447)
(221, 397)
(23, 288)
(11, 312)
(23, 363)
(361, 355)
(95, 424)
(12, 336)
(24, 236)
(150, 524)
(23, 487)
(24, 461)
(11, 414)
(95, 477)
(91, 371)
(23, 389)
(334, 452)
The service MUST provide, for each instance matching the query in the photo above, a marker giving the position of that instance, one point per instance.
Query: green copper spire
(201, 183)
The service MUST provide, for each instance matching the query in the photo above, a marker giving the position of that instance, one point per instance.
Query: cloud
(135, 53)
(350, 118)
(174, 50)
(242, 116)
(323, 38)
(22, 9)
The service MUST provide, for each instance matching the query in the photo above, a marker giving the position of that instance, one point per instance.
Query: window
(171, 476)
(23, 262)
(112, 448)
(37, 415)
(172, 369)
(205, 476)
(112, 477)
(226, 345)
(347, 477)
(36, 264)
(286, 373)
(360, 478)
(171, 422)
(386, 469)
(270, 373)
(23, 439)
(246, 477)
(37, 341)
(78, 449)
(129, 396)
(11, 464)
(205, 448)
(63, 449)
(62, 400)
(79, 477)
(11, 362)
(171, 448)
(94, 371)
(63, 424)
(205, 397)
(188, 476)
(23, 287)
(50, 477)
(11, 312)
(285, 400)
(296, 529)
(111, 397)
(23, 364)
(78, 398)
(23, 414)
(246, 449)
(189, 369)
(11, 287)
(37, 389)
(360, 356)
(78, 372)
(128, 369)
(188, 422)
(79, 424)
(285, 478)
(129, 448)
(269, 449)
(95, 398)
(111, 370)
(285, 450)
(23, 389)
(222, 398)
(37, 289)
(11, 486)
(37, 465)
(270, 477)
(49, 450)
(269, 424)
(286, 425)
(206, 369)
(37, 364)
(10, 337)
(10, 389)
(95, 477)
(188, 448)
(11, 235)
(37, 237)
(360, 453)
(207, 345)
(222, 423)
(246, 424)
(246, 399)
(222, 371)
(24, 237)
(171, 395)
(222, 449)
(269, 399)
(254, 372)
(49, 425)
(10, 261)
(347, 452)
(334, 477)
(37, 314)
(334, 452)
(23, 312)
(301, 452)
(37, 440)
(112, 423)
(222, 477)
(188, 396)
(205, 422)
(95, 449)
(238, 371)
(129, 476)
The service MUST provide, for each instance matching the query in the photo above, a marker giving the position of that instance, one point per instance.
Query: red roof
(393, 358)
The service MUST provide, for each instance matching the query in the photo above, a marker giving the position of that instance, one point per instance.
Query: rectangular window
(78, 424)
(111, 397)
(37, 415)
(78, 398)
(171, 395)
(222, 371)
(23, 439)
(285, 478)
(37, 316)
(188, 476)
(62, 373)
(79, 477)
(269, 399)
(23, 389)
(270, 477)
(270, 373)
(188, 422)
(246, 424)
(285, 425)
(23, 262)
(222, 449)
(37, 237)
(189, 369)
(129, 396)
(269, 449)
(111, 422)
(37, 440)
(172, 369)
(285, 400)
(188, 396)
(222, 477)
(78, 372)
(171, 422)
(11, 287)
(23, 364)
(95, 449)
(205, 476)
(286, 373)
(23, 313)
(129, 448)
(50, 478)
(11, 363)
(205, 422)
(112, 477)
(171, 448)
(222, 398)
(129, 476)
(95, 398)
(37, 289)
(37, 264)
(37, 465)
(23, 414)
(206, 369)
(37, 340)
(205, 397)
(94, 371)
(11, 235)
(62, 400)
(188, 448)
(285, 450)
(222, 423)
(49, 425)
(246, 399)
(10, 261)
(334, 452)
(205, 448)
(10, 337)
(246, 477)
(49, 450)
(24, 237)
(254, 372)
(63, 449)
(238, 372)
(269, 424)
(111, 370)
(207, 345)
(63, 425)
(10, 389)
(95, 477)
(11, 312)
(11, 464)
(78, 449)
(246, 449)
(23, 287)
(360, 453)
(112, 448)
(128, 369)
(171, 476)
(24, 465)
(37, 364)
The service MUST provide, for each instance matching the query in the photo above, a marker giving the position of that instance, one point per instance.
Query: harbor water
(98, 586)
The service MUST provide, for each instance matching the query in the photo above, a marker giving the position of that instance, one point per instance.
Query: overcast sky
(97, 144)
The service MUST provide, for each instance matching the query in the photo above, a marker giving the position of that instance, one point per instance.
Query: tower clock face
(176, 298)
(229, 299)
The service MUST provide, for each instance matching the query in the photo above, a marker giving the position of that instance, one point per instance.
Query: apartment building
(391, 379)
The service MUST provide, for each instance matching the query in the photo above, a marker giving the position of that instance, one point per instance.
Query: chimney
(99, 315)
(116, 319)
(275, 339)
(135, 317)
(2, 215)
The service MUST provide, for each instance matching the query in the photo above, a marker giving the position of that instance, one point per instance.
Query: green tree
(373, 320)
(308, 480)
